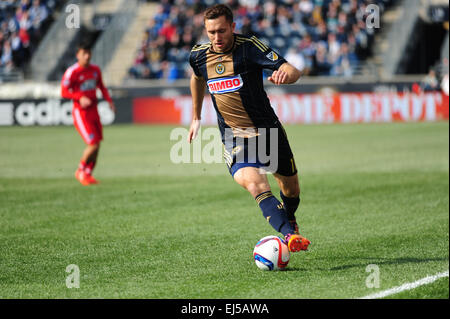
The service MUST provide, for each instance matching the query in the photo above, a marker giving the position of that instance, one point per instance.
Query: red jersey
(81, 81)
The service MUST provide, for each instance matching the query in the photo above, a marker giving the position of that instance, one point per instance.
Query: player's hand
(278, 77)
(112, 107)
(193, 131)
(85, 102)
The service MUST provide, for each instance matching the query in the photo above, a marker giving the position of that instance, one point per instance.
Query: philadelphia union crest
(220, 68)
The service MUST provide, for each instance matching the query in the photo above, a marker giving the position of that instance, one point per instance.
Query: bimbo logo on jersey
(225, 85)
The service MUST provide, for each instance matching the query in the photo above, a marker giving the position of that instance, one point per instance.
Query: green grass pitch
(371, 194)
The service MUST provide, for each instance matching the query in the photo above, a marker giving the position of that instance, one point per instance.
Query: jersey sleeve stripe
(260, 42)
(201, 47)
(265, 47)
(241, 40)
(258, 45)
(69, 71)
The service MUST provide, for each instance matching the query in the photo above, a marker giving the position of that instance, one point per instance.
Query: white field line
(407, 286)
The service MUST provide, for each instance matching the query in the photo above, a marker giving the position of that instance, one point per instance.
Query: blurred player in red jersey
(79, 83)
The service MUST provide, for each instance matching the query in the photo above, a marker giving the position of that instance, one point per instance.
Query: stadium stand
(22, 25)
(99, 22)
(320, 37)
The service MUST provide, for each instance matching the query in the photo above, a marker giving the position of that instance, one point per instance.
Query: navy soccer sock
(274, 213)
(290, 205)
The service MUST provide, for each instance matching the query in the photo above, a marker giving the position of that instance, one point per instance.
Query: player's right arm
(67, 86)
(68, 91)
(197, 85)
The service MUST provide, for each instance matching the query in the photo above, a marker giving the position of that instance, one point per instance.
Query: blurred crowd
(319, 37)
(21, 27)
(436, 79)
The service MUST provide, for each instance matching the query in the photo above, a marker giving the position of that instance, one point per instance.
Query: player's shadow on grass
(288, 269)
(388, 261)
(376, 261)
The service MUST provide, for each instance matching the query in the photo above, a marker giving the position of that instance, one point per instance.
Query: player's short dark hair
(217, 11)
(85, 46)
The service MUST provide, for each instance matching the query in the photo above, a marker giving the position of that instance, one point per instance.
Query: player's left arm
(105, 92)
(286, 74)
(263, 56)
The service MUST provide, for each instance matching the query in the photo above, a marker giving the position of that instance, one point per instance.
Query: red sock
(82, 165)
(89, 167)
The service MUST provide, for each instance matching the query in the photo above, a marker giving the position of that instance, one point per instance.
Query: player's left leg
(290, 195)
(287, 178)
(87, 163)
(87, 122)
(256, 183)
(98, 129)
(89, 157)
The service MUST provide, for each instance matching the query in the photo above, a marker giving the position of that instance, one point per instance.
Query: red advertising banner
(309, 108)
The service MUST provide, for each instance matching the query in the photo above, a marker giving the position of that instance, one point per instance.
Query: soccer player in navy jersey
(231, 67)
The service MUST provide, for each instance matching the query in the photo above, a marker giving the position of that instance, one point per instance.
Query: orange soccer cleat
(91, 179)
(81, 176)
(296, 242)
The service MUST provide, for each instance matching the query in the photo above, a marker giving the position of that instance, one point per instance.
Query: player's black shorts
(270, 150)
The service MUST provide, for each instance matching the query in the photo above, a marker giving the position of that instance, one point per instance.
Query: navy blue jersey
(235, 82)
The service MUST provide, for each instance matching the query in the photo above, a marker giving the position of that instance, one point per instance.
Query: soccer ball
(271, 253)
